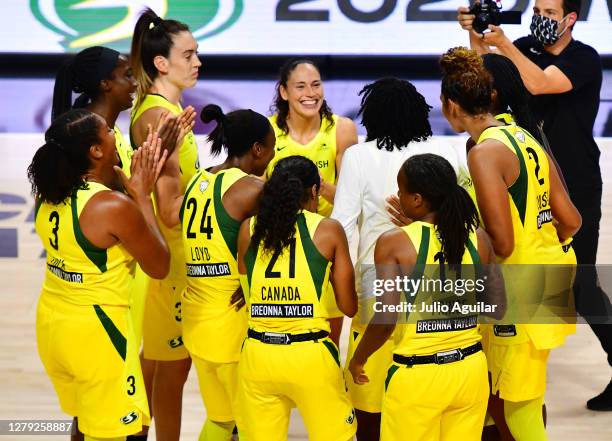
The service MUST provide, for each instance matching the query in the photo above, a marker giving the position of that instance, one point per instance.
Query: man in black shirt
(564, 76)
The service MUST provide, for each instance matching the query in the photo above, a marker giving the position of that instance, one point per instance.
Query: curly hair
(58, 166)
(283, 196)
(281, 107)
(394, 113)
(466, 81)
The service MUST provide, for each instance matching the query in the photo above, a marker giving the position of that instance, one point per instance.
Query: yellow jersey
(431, 328)
(188, 165)
(78, 272)
(210, 238)
(535, 241)
(283, 290)
(124, 150)
(321, 150)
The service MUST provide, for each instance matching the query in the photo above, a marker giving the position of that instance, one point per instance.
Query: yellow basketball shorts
(368, 397)
(436, 402)
(92, 360)
(218, 387)
(138, 298)
(306, 375)
(518, 372)
(162, 331)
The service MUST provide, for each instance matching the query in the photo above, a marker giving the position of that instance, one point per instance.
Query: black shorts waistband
(439, 357)
(281, 338)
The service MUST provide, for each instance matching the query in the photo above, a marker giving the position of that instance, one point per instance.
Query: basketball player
(103, 78)
(305, 125)
(518, 196)
(437, 386)
(211, 210)
(165, 62)
(395, 116)
(286, 257)
(92, 235)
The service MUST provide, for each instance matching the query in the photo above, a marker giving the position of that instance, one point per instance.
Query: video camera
(489, 12)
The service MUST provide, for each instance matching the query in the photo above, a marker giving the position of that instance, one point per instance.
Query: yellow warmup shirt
(427, 333)
(535, 239)
(77, 271)
(285, 288)
(321, 150)
(189, 166)
(213, 330)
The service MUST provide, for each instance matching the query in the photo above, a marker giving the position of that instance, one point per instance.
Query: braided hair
(394, 113)
(433, 177)
(283, 196)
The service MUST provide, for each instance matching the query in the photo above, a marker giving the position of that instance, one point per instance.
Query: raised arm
(110, 217)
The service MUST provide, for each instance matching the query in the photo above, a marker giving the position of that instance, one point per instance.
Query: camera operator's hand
(495, 37)
(464, 18)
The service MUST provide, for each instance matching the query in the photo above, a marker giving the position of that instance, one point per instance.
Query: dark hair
(435, 180)
(283, 196)
(82, 75)
(570, 6)
(466, 81)
(281, 107)
(58, 166)
(512, 94)
(394, 113)
(152, 37)
(237, 131)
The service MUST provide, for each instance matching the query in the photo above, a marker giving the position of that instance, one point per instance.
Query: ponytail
(235, 132)
(152, 37)
(283, 197)
(58, 166)
(456, 218)
(82, 75)
(435, 180)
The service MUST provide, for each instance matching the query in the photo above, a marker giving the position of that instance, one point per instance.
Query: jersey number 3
(54, 219)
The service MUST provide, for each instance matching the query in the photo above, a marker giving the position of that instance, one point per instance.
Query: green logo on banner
(110, 23)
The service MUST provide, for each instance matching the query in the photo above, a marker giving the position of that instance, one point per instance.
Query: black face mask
(544, 29)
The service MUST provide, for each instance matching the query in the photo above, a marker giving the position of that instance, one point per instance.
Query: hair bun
(212, 112)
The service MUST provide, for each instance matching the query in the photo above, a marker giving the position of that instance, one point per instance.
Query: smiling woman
(305, 126)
